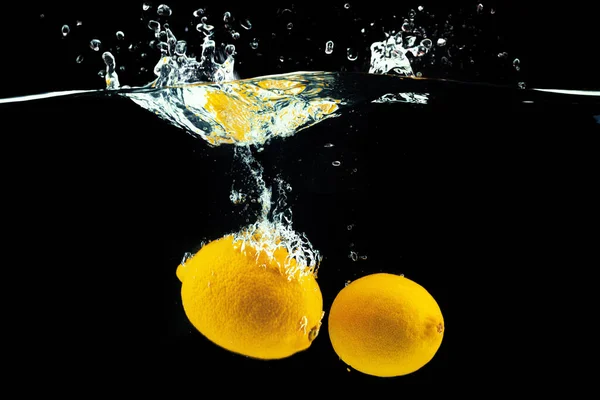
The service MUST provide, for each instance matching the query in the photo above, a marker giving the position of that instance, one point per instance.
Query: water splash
(391, 55)
(273, 232)
(407, 97)
(245, 112)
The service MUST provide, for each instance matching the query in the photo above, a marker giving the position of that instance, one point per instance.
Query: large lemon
(250, 302)
(385, 325)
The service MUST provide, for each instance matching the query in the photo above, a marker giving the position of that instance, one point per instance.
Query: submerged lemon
(385, 325)
(251, 303)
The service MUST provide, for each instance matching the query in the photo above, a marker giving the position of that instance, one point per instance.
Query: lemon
(385, 325)
(249, 302)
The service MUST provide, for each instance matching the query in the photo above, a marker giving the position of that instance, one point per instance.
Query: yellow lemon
(250, 302)
(385, 325)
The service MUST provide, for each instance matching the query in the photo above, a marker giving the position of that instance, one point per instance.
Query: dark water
(102, 199)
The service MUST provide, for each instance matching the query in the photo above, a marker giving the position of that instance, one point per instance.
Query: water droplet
(79, 23)
(65, 30)
(146, 6)
(290, 26)
(254, 43)
(517, 64)
(336, 163)
(154, 25)
(235, 35)
(164, 10)
(441, 42)
(479, 8)
(329, 47)
(198, 12)
(120, 35)
(180, 47)
(353, 256)
(246, 24)
(351, 54)
(401, 274)
(328, 145)
(109, 59)
(347, 283)
(347, 6)
(420, 8)
(226, 16)
(419, 74)
(79, 59)
(362, 30)
(503, 55)
(95, 44)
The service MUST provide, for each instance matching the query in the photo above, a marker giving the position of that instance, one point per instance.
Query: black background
(102, 199)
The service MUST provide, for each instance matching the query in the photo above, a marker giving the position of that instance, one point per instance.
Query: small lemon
(385, 325)
(248, 302)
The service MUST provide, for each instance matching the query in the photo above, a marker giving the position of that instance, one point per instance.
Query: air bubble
(230, 50)
(65, 30)
(517, 64)
(79, 59)
(290, 26)
(420, 8)
(441, 42)
(347, 283)
(102, 73)
(351, 54)
(246, 24)
(146, 6)
(164, 10)
(336, 163)
(79, 23)
(235, 35)
(186, 257)
(329, 47)
(479, 8)
(353, 256)
(408, 26)
(95, 44)
(521, 85)
(120, 35)
(226, 16)
(412, 13)
(254, 43)
(363, 257)
(427, 43)
(503, 55)
(198, 12)
(154, 25)
(328, 145)
(180, 47)
(347, 6)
